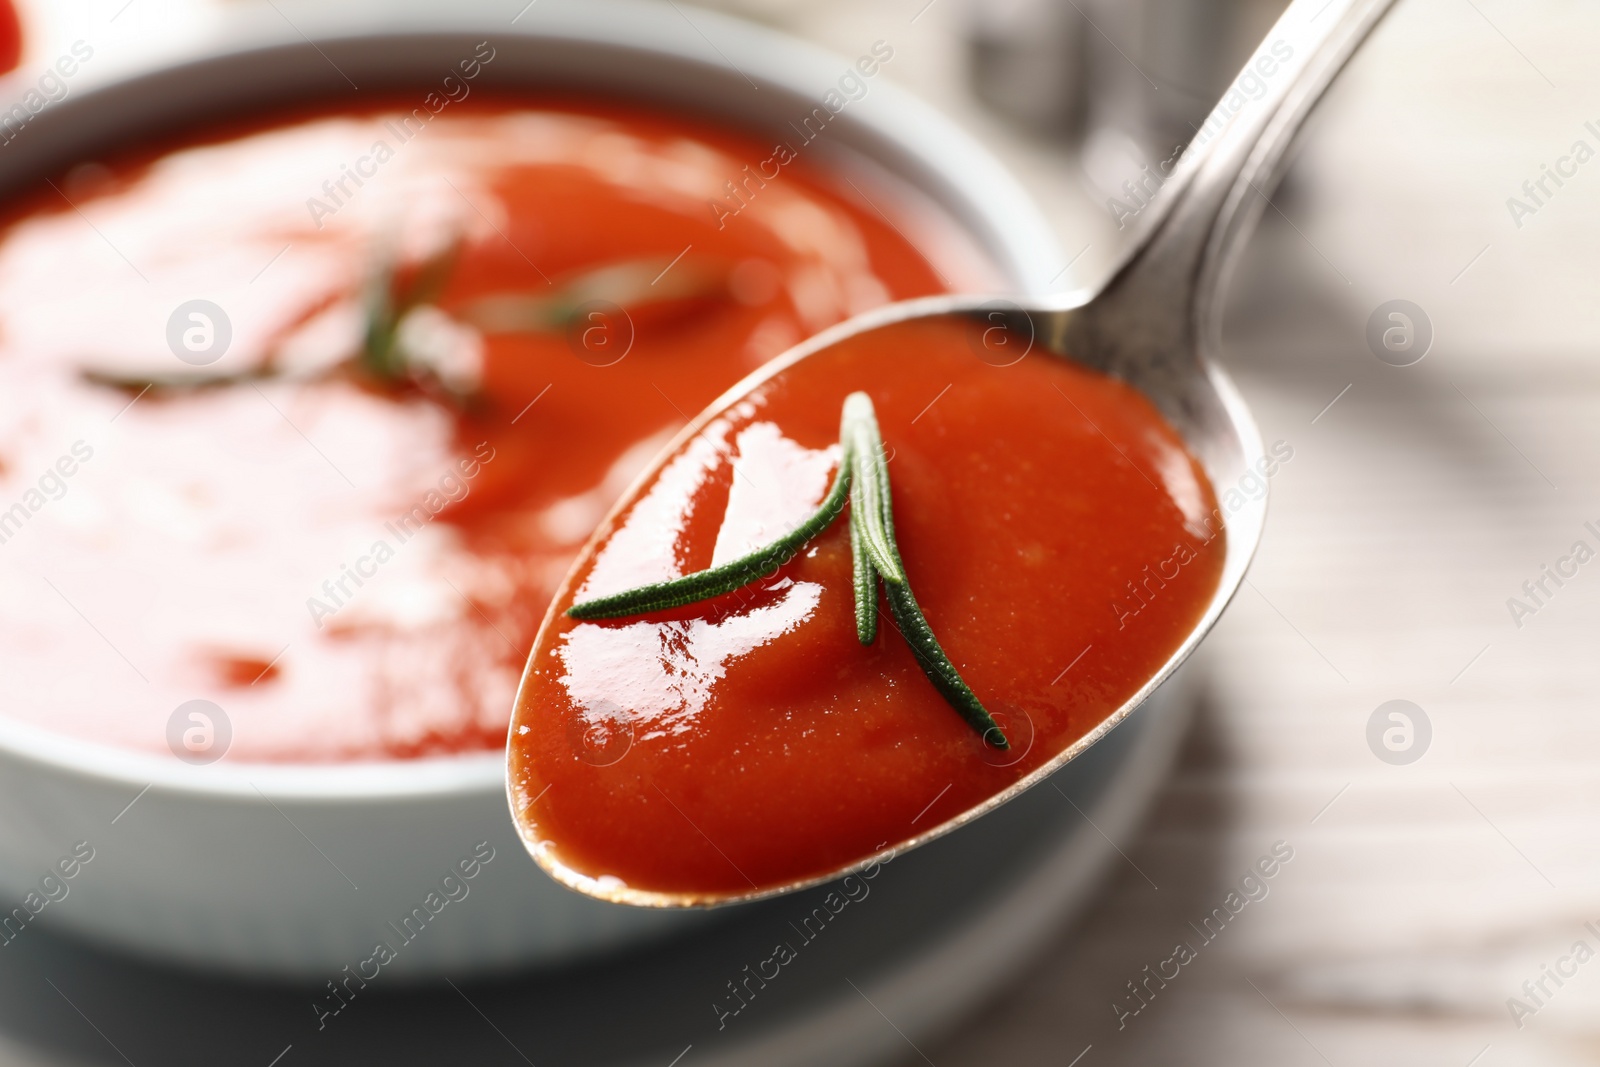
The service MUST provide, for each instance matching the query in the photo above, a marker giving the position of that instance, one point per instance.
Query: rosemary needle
(863, 479)
(865, 579)
(703, 585)
(869, 493)
(386, 301)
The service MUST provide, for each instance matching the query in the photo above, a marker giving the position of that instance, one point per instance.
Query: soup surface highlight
(337, 503)
(1060, 540)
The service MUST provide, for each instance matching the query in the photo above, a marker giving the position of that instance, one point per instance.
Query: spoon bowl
(1155, 325)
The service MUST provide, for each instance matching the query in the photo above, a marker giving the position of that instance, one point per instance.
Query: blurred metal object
(1027, 60)
(1129, 81)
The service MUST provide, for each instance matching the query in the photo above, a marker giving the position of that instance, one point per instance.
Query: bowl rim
(890, 118)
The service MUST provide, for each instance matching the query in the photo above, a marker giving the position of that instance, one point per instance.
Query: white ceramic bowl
(299, 870)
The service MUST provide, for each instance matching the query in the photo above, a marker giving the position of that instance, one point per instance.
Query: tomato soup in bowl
(313, 429)
(324, 404)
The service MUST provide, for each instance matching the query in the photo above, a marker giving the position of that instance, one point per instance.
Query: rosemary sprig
(863, 477)
(632, 284)
(175, 382)
(382, 355)
(865, 580)
(869, 489)
(387, 305)
(703, 585)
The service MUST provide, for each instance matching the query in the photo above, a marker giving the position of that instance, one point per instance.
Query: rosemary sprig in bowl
(383, 357)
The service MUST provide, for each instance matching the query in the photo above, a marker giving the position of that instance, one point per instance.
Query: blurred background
(1433, 875)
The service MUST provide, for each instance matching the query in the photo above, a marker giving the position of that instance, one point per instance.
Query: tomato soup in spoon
(1061, 544)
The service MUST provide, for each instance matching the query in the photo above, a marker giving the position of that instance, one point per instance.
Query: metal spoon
(1155, 324)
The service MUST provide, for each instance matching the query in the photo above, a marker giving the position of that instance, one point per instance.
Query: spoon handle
(1161, 306)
